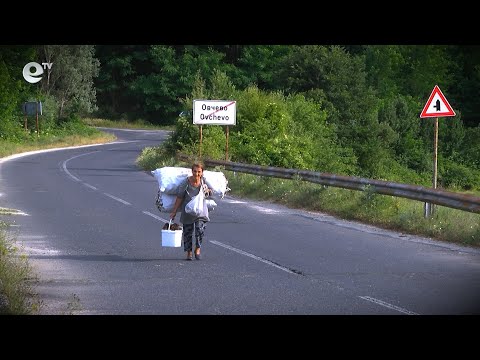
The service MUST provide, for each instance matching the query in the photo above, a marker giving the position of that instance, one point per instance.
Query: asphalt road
(93, 235)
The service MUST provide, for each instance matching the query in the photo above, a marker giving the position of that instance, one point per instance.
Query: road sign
(214, 112)
(437, 105)
(32, 108)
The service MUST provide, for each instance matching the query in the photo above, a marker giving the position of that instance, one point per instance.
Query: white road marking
(387, 305)
(64, 164)
(155, 216)
(252, 256)
(31, 250)
(264, 209)
(234, 201)
(90, 186)
(118, 199)
(31, 236)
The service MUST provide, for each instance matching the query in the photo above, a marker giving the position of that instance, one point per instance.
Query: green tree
(70, 80)
(470, 150)
(384, 64)
(172, 76)
(464, 90)
(257, 63)
(337, 80)
(14, 90)
(401, 114)
(120, 65)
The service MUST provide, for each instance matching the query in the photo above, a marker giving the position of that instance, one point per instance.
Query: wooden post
(38, 130)
(435, 161)
(435, 153)
(200, 141)
(226, 145)
(429, 208)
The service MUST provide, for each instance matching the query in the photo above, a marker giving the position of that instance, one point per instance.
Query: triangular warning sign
(437, 105)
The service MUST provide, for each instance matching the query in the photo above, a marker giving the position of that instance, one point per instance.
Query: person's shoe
(197, 254)
(189, 256)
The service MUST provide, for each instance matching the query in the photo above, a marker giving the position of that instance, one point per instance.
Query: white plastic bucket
(172, 238)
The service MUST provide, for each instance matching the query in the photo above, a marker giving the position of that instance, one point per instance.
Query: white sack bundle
(166, 202)
(216, 181)
(169, 178)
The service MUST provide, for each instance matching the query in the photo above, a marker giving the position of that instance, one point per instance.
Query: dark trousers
(188, 229)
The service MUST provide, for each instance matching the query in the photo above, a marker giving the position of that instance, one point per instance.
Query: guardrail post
(427, 210)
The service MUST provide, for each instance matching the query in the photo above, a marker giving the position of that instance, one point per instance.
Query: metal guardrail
(454, 200)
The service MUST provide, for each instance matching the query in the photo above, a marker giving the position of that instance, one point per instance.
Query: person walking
(186, 190)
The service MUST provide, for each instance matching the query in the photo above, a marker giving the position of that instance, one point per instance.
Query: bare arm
(178, 202)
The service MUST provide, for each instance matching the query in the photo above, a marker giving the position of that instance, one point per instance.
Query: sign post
(437, 105)
(36, 121)
(214, 112)
(226, 143)
(201, 137)
(32, 108)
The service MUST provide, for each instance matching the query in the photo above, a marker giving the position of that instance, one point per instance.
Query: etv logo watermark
(32, 77)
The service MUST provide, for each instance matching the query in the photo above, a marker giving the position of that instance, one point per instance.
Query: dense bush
(455, 175)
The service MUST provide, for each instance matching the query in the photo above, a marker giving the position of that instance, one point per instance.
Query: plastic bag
(197, 206)
(211, 204)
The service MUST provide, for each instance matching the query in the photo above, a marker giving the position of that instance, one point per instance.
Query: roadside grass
(17, 279)
(152, 158)
(8, 148)
(385, 211)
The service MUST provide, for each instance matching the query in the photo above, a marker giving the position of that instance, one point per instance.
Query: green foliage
(173, 76)
(65, 90)
(120, 65)
(457, 176)
(8, 92)
(72, 125)
(70, 80)
(464, 88)
(426, 66)
(335, 78)
(471, 147)
(383, 65)
(257, 64)
(10, 104)
(153, 158)
(271, 130)
(16, 292)
(264, 135)
(50, 109)
(451, 134)
(184, 137)
(407, 142)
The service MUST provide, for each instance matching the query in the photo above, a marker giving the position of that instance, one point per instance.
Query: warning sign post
(436, 106)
